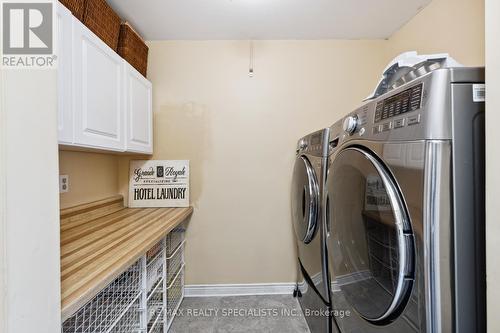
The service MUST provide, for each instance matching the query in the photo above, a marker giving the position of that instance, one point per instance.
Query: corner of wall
(123, 177)
(92, 176)
(3, 218)
(444, 26)
(492, 163)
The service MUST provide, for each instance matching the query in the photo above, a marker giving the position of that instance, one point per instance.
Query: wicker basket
(132, 48)
(77, 7)
(103, 21)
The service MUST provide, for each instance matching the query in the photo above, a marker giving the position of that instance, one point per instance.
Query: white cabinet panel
(64, 26)
(138, 98)
(98, 87)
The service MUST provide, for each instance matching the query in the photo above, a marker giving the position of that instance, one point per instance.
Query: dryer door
(305, 200)
(370, 242)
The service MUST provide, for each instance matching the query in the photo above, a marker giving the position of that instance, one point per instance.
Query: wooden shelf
(102, 239)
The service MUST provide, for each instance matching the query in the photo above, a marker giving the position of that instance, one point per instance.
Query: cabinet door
(98, 101)
(64, 31)
(138, 105)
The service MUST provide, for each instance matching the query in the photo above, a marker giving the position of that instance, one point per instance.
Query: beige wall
(492, 162)
(92, 176)
(451, 26)
(240, 135)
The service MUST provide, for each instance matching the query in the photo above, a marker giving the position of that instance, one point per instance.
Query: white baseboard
(250, 289)
(206, 290)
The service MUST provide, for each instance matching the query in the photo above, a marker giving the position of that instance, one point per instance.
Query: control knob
(350, 124)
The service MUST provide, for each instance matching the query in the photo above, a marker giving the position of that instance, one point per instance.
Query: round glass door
(370, 240)
(305, 200)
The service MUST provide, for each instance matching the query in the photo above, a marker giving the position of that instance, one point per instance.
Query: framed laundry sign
(159, 183)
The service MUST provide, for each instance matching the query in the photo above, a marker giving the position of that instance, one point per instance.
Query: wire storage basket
(157, 328)
(130, 321)
(175, 294)
(143, 299)
(154, 251)
(174, 239)
(154, 265)
(110, 306)
(174, 267)
(174, 262)
(156, 325)
(156, 307)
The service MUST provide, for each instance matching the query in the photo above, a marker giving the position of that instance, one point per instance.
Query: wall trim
(250, 289)
(3, 205)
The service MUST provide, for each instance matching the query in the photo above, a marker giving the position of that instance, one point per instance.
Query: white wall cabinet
(104, 103)
(98, 80)
(64, 33)
(139, 109)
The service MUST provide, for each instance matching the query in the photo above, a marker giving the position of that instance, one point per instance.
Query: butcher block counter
(101, 239)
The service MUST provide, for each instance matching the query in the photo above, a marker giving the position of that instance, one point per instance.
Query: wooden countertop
(102, 239)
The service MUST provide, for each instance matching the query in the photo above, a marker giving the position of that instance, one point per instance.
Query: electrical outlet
(63, 183)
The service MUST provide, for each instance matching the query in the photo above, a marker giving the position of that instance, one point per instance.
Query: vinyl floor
(270, 313)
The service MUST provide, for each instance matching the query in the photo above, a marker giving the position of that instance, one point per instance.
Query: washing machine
(405, 212)
(307, 204)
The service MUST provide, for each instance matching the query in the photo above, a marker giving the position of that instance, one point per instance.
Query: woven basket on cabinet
(77, 7)
(102, 20)
(132, 48)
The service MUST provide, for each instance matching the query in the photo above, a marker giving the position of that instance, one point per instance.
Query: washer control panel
(406, 101)
(397, 111)
(314, 143)
(419, 108)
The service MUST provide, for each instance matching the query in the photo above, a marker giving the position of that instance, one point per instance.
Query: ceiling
(267, 19)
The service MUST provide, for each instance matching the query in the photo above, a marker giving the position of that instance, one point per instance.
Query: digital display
(405, 101)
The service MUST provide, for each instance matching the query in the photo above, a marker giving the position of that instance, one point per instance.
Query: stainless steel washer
(405, 208)
(308, 222)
